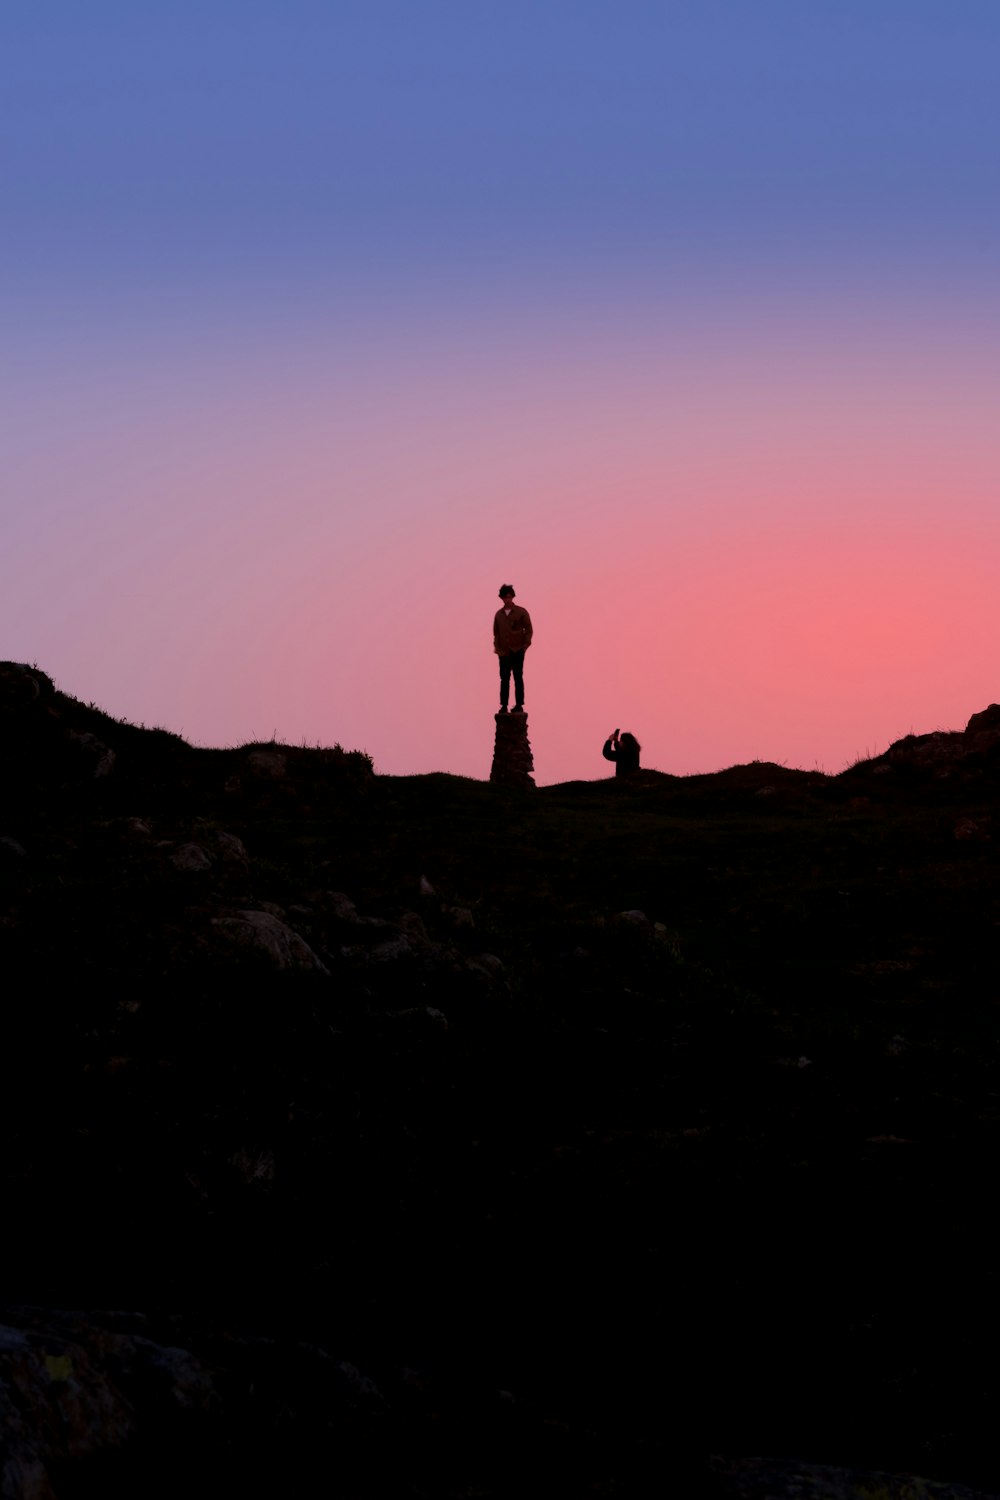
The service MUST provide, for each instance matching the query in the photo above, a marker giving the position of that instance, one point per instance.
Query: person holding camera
(623, 749)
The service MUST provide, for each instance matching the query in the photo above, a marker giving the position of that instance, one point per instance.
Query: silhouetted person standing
(623, 749)
(511, 639)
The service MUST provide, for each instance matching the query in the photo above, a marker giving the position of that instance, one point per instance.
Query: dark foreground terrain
(442, 1140)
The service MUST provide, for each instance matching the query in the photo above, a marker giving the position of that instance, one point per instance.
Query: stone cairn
(512, 761)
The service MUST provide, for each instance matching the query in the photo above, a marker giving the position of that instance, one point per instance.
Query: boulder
(99, 757)
(267, 764)
(230, 848)
(340, 906)
(412, 923)
(191, 857)
(989, 718)
(422, 1020)
(115, 1403)
(947, 749)
(941, 748)
(392, 950)
(983, 729)
(260, 931)
(70, 1389)
(23, 684)
(795, 1479)
(976, 830)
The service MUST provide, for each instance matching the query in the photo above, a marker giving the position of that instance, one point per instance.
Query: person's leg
(504, 681)
(517, 666)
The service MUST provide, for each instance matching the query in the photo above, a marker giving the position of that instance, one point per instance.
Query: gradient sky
(321, 320)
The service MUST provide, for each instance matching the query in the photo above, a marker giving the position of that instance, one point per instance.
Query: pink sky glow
(740, 539)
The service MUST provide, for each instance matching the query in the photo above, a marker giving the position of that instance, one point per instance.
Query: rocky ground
(463, 1140)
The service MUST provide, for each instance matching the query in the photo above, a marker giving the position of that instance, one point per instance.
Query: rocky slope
(482, 1140)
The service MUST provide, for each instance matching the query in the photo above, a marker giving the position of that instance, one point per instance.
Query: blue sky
(213, 140)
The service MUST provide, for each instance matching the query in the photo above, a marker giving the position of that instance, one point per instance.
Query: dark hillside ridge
(57, 746)
(65, 744)
(612, 1138)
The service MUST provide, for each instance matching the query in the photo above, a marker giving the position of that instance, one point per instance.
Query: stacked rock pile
(512, 760)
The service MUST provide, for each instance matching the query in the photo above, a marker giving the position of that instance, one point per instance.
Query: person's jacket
(511, 632)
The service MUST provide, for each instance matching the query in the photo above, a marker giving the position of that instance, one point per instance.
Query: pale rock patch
(261, 931)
